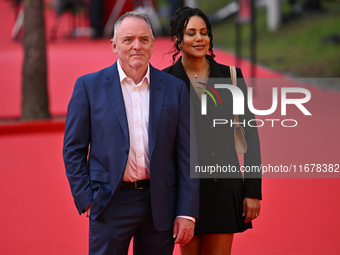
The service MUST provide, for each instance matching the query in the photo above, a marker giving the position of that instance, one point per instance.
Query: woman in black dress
(228, 204)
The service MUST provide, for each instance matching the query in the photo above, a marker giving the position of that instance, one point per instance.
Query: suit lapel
(114, 91)
(157, 92)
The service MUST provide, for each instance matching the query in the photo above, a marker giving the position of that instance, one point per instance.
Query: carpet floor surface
(38, 216)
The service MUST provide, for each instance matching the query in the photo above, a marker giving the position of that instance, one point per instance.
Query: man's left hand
(183, 230)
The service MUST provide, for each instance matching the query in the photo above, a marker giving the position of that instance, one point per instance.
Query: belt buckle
(136, 186)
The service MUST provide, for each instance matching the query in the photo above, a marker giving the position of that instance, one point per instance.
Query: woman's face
(195, 41)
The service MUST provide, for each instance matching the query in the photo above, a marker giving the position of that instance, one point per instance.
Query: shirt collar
(122, 74)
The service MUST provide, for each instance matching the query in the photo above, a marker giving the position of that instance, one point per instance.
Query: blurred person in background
(174, 5)
(96, 15)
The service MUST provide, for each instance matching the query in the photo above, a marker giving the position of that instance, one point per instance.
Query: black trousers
(96, 15)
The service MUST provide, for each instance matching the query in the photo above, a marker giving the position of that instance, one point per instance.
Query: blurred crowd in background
(296, 37)
(100, 15)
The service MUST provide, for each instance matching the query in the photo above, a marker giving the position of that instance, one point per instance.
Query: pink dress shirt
(136, 101)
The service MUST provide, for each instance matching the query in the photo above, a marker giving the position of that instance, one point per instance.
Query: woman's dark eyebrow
(193, 29)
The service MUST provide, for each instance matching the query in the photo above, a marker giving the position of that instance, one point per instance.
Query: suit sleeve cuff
(187, 217)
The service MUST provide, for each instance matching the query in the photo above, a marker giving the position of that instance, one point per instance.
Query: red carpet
(38, 216)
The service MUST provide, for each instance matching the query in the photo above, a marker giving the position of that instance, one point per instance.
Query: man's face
(134, 43)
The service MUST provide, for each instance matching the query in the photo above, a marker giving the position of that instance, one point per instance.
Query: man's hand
(251, 208)
(183, 230)
(87, 211)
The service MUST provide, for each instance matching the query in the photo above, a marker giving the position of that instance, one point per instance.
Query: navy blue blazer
(96, 145)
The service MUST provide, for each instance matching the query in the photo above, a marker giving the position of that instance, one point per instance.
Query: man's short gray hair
(132, 14)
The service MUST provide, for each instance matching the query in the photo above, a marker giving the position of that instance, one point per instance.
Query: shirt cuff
(187, 217)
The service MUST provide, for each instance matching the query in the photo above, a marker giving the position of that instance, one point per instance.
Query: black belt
(142, 184)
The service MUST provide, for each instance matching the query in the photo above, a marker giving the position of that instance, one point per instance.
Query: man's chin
(138, 64)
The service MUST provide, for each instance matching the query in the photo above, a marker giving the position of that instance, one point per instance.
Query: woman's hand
(251, 209)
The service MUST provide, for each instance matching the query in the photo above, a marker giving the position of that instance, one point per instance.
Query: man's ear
(113, 46)
(152, 45)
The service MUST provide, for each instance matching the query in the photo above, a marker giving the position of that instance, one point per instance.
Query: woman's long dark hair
(178, 23)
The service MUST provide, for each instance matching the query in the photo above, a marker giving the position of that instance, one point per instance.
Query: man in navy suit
(127, 150)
